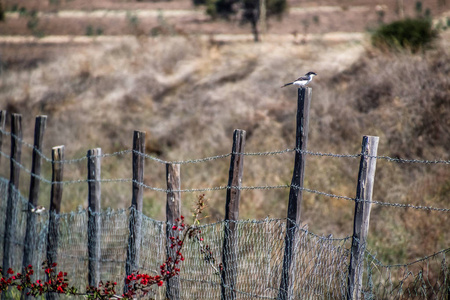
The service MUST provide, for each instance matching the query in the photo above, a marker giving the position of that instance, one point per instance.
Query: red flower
(174, 227)
(60, 290)
(10, 271)
(160, 283)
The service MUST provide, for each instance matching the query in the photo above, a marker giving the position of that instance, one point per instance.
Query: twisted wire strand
(410, 161)
(220, 188)
(181, 162)
(380, 264)
(199, 160)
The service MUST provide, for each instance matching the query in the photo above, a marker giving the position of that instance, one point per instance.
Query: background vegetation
(189, 94)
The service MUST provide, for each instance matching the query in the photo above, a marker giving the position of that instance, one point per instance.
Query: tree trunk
(255, 29)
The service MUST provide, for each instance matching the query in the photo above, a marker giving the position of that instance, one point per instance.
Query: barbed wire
(181, 162)
(43, 179)
(220, 188)
(380, 264)
(192, 190)
(266, 187)
(211, 158)
(410, 161)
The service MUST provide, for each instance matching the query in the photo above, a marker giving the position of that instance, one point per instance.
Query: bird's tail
(287, 84)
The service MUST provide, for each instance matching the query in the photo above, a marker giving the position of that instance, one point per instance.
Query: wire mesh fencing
(320, 270)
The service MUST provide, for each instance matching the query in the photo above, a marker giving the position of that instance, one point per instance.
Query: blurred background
(190, 72)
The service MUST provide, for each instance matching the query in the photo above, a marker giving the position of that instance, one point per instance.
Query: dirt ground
(61, 25)
(120, 17)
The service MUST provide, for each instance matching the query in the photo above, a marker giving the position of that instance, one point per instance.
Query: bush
(413, 34)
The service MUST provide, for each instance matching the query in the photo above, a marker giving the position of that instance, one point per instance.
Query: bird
(302, 81)
(37, 210)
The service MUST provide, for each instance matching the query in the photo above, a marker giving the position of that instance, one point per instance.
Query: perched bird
(37, 210)
(302, 81)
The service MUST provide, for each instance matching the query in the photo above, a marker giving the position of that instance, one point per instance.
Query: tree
(248, 11)
(2, 12)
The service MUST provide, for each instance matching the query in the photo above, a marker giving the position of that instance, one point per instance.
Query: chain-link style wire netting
(319, 271)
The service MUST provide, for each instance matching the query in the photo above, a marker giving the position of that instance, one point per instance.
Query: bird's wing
(302, 78)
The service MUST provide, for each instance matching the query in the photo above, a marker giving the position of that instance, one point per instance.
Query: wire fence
(321, 262)
(219, 188)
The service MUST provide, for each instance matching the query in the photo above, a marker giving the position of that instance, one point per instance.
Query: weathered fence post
(2, 127)
(94, 223)
(173, 212)
(295, 193)
(134, 240)
(363, 205)
(13, 188)
(230, 241)
(30, 234)
(55, 207)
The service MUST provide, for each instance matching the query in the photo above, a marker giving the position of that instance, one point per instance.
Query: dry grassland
(191, 85)
(189, 95)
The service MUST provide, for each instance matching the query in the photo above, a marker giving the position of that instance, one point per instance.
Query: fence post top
(371, 137)
(93, 150)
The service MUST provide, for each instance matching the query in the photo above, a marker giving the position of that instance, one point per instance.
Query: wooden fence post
(94, 209)
(295, 193)
(363, 205)
(230, 241)
(134, 240)
(13, 188)
(55, 207)
(33, 197)
(173, 212)
(2, 127)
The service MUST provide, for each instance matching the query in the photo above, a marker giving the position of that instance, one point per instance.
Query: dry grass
(189, 96)
(121, 17)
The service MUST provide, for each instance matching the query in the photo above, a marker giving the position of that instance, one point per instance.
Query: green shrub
(413, 34)
(91, 31)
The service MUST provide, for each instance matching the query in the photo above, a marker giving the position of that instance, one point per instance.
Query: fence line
(111, 211)
(378, 263)
(211, 158)
(221, 188)
(310, 265)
